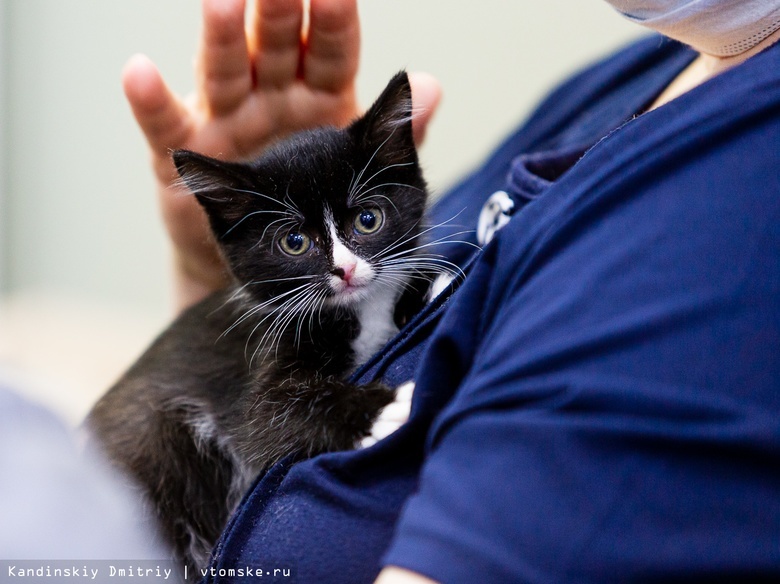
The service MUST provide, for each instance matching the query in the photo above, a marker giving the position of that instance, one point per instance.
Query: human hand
(254, 84)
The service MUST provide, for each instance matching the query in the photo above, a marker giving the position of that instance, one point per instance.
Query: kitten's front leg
(392, 416)
(307, 415)
(348, 412)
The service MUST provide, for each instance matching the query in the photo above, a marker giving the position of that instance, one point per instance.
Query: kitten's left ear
(386, 128)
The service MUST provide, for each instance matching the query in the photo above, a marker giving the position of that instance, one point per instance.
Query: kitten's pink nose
(345, 272)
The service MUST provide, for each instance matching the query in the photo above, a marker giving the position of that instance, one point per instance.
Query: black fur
(227, 390)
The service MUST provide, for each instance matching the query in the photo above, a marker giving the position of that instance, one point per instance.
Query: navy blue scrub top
(599, 400)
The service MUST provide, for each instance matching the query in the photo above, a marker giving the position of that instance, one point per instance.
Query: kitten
(320, 234)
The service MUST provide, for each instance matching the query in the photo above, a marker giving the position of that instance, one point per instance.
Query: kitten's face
(325, 218)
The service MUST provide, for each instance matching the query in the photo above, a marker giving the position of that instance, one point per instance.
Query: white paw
(438, 286)
(393, 416)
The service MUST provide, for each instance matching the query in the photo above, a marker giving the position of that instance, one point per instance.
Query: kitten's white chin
(349, 294)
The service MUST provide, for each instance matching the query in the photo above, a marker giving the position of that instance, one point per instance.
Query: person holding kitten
(598, 400)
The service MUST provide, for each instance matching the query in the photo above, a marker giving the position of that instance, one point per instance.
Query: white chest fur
(376, 324)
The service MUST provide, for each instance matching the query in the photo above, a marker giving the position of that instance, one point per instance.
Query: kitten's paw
(439, 285)
(392, 416)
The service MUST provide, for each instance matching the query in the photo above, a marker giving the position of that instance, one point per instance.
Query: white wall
(86, 272)
(495, 59)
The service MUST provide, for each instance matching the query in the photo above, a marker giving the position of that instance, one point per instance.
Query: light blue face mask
(716, 27)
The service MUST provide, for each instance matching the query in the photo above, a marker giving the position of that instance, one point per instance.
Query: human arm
(254, 84)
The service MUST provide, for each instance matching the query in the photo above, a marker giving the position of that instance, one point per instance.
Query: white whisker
(259, 307)
(378, 196)
(248, 215)
(445, 240)
(284, 224)
(298, 305)
(426, 229)
(377, 173)
(291, 209)
(360, 174)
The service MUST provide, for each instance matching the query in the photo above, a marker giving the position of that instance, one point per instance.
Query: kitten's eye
(295, 243)
(369, 221)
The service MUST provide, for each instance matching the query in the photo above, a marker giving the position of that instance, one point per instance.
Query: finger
(161, 115)
(225, 72)
(277, 41)
(426, 96)
(333, 45)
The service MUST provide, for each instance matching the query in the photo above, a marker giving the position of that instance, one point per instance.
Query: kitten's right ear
(223, 189)
(386, 128)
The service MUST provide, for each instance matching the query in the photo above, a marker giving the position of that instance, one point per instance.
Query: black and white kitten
(320, 234)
